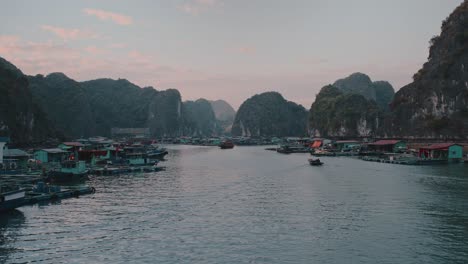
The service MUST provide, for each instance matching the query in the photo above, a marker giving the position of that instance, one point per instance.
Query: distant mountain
(435, 103)
(94, 107)
(225, 115)
(20, 117)
(359, 83)
(202, 117)
(269, 114)
(223, 110)
(340, 114)
(66, 103)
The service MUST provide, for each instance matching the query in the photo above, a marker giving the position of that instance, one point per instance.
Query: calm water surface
(248, 205)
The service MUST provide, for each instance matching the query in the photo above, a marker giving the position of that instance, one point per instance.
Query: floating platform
(33, 197)
(405, 162)
(122, 170)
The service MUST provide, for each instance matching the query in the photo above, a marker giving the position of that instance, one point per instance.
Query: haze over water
(248, 205)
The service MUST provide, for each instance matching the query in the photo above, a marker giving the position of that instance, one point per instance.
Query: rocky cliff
(269, 114)
(225, 115)
(381, 92)
(342, 114)
(20, 117)
(201, 117)
(435, 104)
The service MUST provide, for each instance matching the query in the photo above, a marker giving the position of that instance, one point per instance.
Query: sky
(223, 49)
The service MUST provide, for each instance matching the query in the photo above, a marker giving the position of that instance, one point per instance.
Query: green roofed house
(50, 155)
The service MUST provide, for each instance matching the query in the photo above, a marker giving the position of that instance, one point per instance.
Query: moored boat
(315, 162)
(227, 144)
(70, 171)
(10, 200)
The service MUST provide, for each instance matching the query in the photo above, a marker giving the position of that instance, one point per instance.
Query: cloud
(117, 45)
(246, 50)
(195, 7)
(105, 15)
(67, 34)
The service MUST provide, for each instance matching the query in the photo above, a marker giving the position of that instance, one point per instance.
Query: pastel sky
(223, 49)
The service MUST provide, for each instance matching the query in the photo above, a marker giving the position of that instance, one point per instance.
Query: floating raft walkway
(405, 162)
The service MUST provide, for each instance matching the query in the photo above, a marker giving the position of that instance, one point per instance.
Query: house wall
(399, 145)
(42, 156)
(455, 152)
(2, 145)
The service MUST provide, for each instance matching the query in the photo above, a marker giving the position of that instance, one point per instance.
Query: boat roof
(346, 141)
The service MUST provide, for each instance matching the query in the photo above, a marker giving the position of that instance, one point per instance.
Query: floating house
(442, 151)
(346, 145)
(319, 143)
(51, 155)
(71, 146)
(387, 146)
(15, 158)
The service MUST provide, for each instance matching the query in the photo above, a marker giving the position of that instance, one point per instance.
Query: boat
(315, 162)
(157, 153)
(70, 171)
(227, 144)
(288, 149)
(12, 199)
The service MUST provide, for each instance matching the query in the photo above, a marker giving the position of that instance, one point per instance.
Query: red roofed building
(388, 145)
(442, 151)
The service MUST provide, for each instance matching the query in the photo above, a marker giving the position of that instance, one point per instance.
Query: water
(248, 205)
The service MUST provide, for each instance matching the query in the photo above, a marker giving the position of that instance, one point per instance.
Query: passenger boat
(70, 171)
(226, 144)
(315, 162)
(10, 200)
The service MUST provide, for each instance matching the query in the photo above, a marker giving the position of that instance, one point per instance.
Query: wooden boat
(226, 144)
(10, 200)
(70, 171)
(315, 162)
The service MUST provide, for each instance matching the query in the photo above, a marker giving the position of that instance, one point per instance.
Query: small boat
(226, 144)
(10, 200)
(157, 153)
(315, 162)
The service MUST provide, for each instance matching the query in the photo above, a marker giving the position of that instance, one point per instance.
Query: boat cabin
(442, 151)
(74, 167)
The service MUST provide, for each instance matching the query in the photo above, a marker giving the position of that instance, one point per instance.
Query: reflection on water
(248, 205)
(10, 227)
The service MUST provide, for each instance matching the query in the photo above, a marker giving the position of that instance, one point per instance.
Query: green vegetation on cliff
(359, 83)
(435, 103)
(20, 117)
(201, 115)
(269, 114)
(338, 114)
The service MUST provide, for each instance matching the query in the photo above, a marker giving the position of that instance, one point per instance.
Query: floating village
(37, 175)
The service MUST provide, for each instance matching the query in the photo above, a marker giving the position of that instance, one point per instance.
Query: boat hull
(64, 177)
